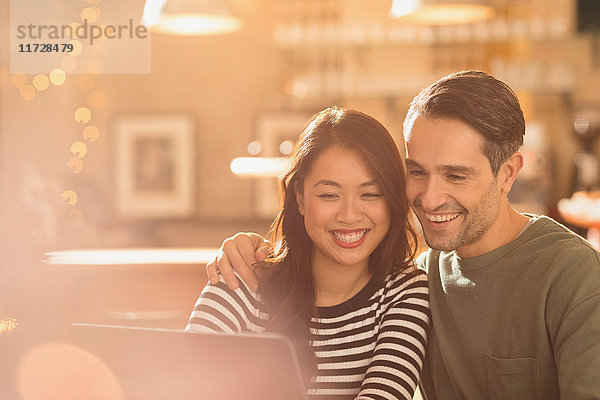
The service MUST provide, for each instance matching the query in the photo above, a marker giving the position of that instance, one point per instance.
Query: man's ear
(509, 170)
(299, 197)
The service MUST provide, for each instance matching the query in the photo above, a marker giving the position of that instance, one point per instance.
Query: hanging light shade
(190, 17)
(442, 12)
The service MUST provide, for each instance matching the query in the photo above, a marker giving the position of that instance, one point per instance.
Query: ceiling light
(190, 17)
(442, 12)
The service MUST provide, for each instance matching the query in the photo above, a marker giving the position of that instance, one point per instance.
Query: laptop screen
(124, 363)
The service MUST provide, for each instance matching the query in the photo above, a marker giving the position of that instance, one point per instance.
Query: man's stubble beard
(476, 223)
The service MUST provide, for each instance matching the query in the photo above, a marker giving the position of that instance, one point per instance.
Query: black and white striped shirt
(369, 347)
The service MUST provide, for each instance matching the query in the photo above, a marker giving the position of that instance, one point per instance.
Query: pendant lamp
(442, 12)
(190, 17)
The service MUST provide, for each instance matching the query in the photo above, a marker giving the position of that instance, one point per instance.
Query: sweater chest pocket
(513, 378)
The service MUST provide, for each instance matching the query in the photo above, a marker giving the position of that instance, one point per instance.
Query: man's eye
(416, 173)
(457, 178)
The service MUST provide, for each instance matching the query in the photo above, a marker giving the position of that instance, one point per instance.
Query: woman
(340, 282)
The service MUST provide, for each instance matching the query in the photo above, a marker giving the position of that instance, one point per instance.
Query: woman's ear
(299, 197)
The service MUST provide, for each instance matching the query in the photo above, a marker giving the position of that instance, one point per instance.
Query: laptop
(161, 364)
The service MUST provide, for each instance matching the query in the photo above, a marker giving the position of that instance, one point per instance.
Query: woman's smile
(349, 238)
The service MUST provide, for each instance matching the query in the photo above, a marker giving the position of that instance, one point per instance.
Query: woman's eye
(372, 195)
(327, 196)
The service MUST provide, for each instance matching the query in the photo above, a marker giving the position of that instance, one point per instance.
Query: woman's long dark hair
(287, 288)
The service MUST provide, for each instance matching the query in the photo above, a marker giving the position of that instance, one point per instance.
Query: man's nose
(433, 195)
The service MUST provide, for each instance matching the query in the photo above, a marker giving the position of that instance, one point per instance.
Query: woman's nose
(350, 211)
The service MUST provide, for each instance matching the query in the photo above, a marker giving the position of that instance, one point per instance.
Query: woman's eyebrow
(372, 182)
(328, 183)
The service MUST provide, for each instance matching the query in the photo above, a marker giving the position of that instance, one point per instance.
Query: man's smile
(439, 218)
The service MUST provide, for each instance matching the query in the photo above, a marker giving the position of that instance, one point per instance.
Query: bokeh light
(77, 48)
(91, 14)
(41, 82)
(83, 114)
(60, 371)
(75, 164)
(68, 63)
(110, 30)
(70, 196)
(254, 148)
(58, 77)
(91, 133)
(28, 92)
(7, 325)
(286, 147)
(79, 149)
(18, 80)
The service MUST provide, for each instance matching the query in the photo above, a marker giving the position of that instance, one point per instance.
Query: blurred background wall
(290, 59)
(290, 56)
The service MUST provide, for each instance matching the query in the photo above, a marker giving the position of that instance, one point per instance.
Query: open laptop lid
(159, 364)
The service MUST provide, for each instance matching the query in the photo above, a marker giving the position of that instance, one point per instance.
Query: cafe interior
(122, 170)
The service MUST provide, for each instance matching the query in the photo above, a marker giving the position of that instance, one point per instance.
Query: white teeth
(349, 237)
(441, 218)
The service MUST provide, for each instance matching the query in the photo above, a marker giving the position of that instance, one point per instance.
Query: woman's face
(345, 212)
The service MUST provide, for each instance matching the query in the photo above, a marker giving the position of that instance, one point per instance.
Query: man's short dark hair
(480, 100)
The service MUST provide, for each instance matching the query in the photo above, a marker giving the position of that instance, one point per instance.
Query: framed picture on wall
(155, 165)
(276, 131)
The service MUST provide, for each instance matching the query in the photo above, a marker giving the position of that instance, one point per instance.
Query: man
(515, 298)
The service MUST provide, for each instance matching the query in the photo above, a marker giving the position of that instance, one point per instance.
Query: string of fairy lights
(30, 86)
(82, 115)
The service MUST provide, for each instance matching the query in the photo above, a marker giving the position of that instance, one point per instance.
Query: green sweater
(519, 322)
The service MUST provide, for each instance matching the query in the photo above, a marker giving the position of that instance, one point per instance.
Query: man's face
(450, 184)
